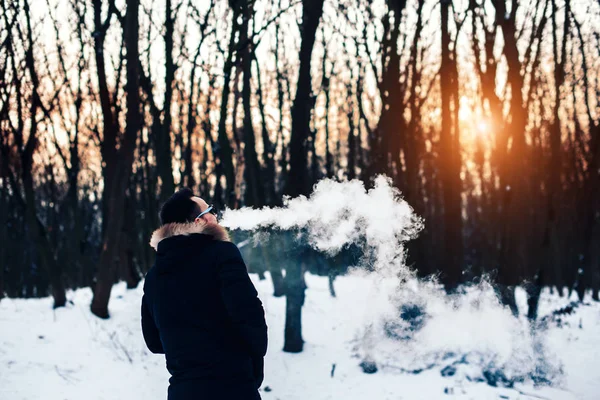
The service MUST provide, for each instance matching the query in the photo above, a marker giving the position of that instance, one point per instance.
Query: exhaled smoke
(408, 323)
(338, 214)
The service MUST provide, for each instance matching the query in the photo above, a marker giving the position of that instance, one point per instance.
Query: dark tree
(117, 191)
(297, 181)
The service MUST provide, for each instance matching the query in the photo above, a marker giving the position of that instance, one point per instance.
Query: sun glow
(483, 127)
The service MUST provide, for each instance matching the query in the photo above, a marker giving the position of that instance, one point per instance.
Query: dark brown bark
(4, 201)
(450, 161)
(3, 225)
(39, 235)
(70, 208)
(117, 191)
(188, 178)
(586, 250)
(325, 87)
(271, 256)
(147, 202)
(352, 139)
(127, 268)
(298, 182)
(281, 79)
(386, 143)
(110, 125)
(314, 174)
(278, 280)
(512, 169)
(549, 245)
(412, 153)
(254, 195)
(363, 124)
(331, 279)
(419, 249)
(207, 130)
(268, 147)
(486, 66)
(295, 295)
(589, 210)
(162, 137)
(595, 264)
(222, 149)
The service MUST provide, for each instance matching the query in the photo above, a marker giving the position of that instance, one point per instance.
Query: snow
(70, 354)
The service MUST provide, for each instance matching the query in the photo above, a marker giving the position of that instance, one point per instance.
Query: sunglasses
(210, 209)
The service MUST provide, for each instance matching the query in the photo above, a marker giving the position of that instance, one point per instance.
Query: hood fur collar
(185, 229)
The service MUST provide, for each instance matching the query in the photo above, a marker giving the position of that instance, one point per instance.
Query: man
(200, 308)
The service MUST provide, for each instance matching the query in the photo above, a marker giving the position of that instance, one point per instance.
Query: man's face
(208, 217)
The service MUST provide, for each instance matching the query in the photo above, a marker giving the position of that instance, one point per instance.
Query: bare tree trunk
(331, 278)
(419, 248)
(589, 192)
(325, 87)
(188, 178)
(163, 136)
(110, 124)
(283, 161)
(352, 139)
(594, 264)
(412, 153)
(128, 270)
(589, 211)
(70, 208)
(4, 200)
(255, 193)
(295, 288)
(223, 149)
(386, 144)
(268, 147)
(550, 242)
(104, 278)
(362, 121)
(208, 138)
(314, 159)
(273, 261)
(512, 169)
(149, 204)
(450, 163)
(278, 280)
(298, 183)
(3, 225)
(39, 234)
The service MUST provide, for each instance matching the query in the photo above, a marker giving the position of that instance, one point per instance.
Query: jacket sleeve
(243, 306)
(149, 329)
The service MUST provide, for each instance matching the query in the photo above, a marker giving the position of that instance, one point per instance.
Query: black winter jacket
(202, 311)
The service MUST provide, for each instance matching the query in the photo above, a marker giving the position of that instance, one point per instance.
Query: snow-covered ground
(69, 354)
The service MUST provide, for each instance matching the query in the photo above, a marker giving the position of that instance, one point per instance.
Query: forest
(485, 114)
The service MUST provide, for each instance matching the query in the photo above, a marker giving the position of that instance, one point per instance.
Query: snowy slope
(69, 354)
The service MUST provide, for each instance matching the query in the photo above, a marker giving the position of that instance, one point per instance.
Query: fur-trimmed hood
(188, 228)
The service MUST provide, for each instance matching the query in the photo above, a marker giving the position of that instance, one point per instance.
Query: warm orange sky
(475, 126)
